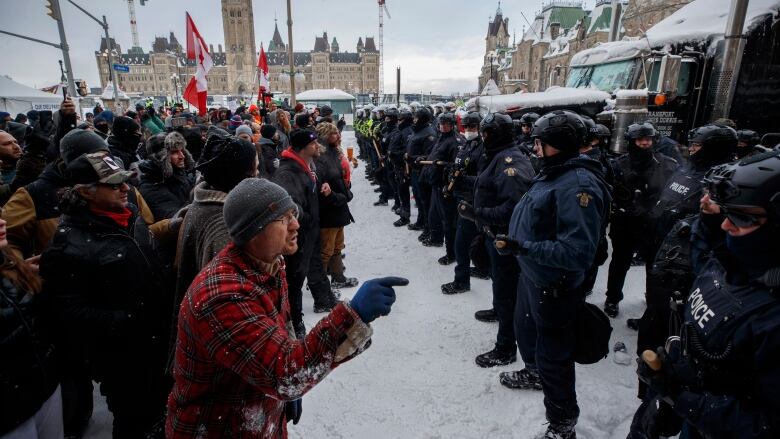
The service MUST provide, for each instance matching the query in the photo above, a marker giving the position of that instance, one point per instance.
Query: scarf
(122, 219)
(297, 159)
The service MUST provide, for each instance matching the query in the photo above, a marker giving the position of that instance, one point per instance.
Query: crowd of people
(163, 255)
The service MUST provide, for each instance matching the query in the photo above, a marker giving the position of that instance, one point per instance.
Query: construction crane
(133, 24)
(382, 11)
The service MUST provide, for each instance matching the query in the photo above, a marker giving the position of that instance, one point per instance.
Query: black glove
(418, 160)
(507, 246)
(293, 410)
(466, 210)
(654, 418)
(675, 373)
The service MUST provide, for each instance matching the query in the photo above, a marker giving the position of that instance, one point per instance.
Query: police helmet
(447, 118)
(718, 143)
(471, 119)
(590, 126)
(450, 106)
(423, 115)
(639, 130)
(602, 132)
(751, 182)
(562, 129)
(749, 136)
(405, 114)
(392, 113)
(529, 119)
(497, 129)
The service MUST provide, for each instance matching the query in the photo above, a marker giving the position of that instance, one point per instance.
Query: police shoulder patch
(508, 160)
(510, 172)
(431, 138)
(584, 199)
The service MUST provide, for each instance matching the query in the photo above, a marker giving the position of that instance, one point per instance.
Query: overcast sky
(439, 44)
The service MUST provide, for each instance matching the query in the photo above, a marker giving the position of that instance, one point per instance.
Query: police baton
(432, 162)
(378, 154)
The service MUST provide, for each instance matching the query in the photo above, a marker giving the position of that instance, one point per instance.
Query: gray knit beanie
(78, 142)
(252, 205)
(245, 129)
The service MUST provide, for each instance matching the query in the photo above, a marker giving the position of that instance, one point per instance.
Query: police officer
(748, 139)
(388, 133)
(721, 375)
(377, 133)
(708, 146)
(554, 232)
(497, 190)
(639, 177)
(468, 164)
(401, 169)
(524, 140)
(419, 145)
(443, 213)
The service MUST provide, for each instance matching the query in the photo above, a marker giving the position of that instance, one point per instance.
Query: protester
(167, 174)
(124, 140)
(268, 150)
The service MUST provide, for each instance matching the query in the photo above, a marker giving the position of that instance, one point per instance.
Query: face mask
(470, 135)
(754, 251)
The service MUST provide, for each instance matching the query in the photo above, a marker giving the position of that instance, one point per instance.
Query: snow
(418, 379)
(324, 94)
(108, 92)
(701, 20)
(610, 52)
(490, 89)
(624, 93)
(553, 96)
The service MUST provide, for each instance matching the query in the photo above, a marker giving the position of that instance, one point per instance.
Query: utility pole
(290, 54)
(56, 13)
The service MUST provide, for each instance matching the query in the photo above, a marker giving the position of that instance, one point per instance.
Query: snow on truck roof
(322, 94)
(697, 21)
(554, 96)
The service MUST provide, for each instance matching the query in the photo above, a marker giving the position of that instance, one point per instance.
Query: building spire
(498, 10)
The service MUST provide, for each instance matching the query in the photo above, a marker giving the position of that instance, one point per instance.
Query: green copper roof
(566, 16)
(602, 21)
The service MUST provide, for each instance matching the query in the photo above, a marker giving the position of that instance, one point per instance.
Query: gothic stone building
(165, 71)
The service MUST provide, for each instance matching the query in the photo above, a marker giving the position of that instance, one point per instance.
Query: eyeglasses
(287, 219)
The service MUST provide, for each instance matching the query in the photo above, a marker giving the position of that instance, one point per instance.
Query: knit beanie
(267, 131)
(300, 138)
(78, 142)
(253, 204)
(298, 107)
(225, 161)
(302, 120)
(124, 126)
(244, 129)
(235, 122)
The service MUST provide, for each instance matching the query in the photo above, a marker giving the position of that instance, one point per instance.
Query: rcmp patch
(510, 171)
(584, 198)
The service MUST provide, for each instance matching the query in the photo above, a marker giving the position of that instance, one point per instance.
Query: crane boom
(133, 25)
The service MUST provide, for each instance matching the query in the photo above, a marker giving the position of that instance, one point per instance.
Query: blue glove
(293, 410)
(375, 297)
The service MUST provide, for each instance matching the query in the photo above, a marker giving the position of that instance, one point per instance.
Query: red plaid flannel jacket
(237, 361)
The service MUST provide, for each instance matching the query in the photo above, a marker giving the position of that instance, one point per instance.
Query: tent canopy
(19, 98)
(323, 94)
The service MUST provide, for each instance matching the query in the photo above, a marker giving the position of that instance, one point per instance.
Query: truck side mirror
(669, 74)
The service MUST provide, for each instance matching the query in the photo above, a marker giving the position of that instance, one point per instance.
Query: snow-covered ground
(419, 379)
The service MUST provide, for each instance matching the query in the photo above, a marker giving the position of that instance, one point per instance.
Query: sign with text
(121, 68)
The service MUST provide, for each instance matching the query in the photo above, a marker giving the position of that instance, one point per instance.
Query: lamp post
(290, 53)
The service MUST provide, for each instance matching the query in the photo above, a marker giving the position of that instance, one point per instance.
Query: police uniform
(557, 225)
(469, 162)
(442, 213)
(387, 133)
(420, 142)
(396, 152)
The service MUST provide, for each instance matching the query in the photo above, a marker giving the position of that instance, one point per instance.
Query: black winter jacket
(445, 150)
(305, 193)
(165, 196)
(109, 294)
(123, 149)
(334, 210)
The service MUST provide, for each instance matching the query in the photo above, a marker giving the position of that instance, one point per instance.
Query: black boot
(424, 236)
(479, 274)
(496, 357)
(343, 282)
(633, 324)
(525, 379)
(611, 308)
(486, 315)
(561, 430)
(381, 202)
(446, 260)
(401, 222)
(429, 243)
(455, 288)
(415, 227)
(300, 330)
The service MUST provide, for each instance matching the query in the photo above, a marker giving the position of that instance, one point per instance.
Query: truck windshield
(605, 77)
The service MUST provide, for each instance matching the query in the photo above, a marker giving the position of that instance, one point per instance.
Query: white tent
(490, 89)
(108, 93)
(19, 98)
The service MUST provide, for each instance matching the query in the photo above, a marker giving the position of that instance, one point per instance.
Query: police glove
(653, 419)
(507, 246)
(674, 373)
(418, 160)
(293, 410)
(466, 210)
(375, 297)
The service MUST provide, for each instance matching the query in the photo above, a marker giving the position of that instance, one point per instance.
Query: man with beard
(640, 177)
(498, 188)
(124, 139)
(10, 152)
(167, 175)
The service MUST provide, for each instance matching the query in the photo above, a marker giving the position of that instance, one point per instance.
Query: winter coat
(109, 293)
(123, 149)
(305, 192)
(166, 189)
(500, 186)
(28, 372)
(334, 210)
(445, 150)
(420, 142)
(559, 223)
(470, 160)
(237, 361)
(269, 158)
(154, 125)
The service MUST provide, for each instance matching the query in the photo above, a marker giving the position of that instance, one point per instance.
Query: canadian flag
(262, 75)
(196, 90)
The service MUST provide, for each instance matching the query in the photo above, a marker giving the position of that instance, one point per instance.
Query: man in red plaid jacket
(239, 371)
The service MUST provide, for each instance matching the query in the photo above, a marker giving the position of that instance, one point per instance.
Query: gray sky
(439, 44)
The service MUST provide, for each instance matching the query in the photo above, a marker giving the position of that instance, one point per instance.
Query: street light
(175, 80)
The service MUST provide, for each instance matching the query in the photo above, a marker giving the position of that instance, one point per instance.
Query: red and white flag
(262, 75)
(197, 88)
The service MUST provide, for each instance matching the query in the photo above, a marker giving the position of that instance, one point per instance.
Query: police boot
(525, 379)
(429, 243)
(560, 430)
(381, 202)
(611, 308)
(455, 288)
(424, 236)
(496, 357)
(415, 227)
(400, 222)
(446, 259)
(343, 282)
(479, 274)
(633, 324)
(486, 315)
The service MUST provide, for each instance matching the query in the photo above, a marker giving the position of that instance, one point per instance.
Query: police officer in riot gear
(418, 146)
(388, 133)
(747, 141)
(554, 232)
(401, 170)
(720, 375)
(442, 215)
(497, 190)
(639, 178)
(468, 164)
(524, 140)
